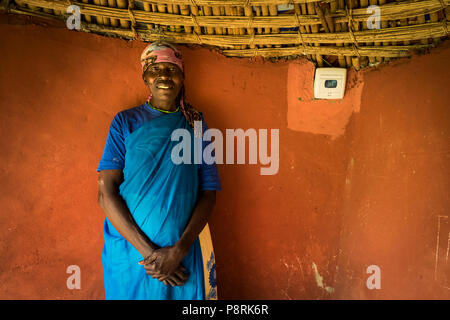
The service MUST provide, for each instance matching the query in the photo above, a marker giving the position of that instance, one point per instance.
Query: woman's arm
(117, 212)
(166, 260)
(198, 220)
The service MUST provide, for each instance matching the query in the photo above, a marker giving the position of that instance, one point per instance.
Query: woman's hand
(178, 278)
(164, 264)
(166, 259)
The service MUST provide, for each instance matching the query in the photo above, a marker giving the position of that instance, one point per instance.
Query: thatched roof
(331, 32)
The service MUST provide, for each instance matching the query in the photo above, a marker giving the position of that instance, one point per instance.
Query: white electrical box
(329, 83)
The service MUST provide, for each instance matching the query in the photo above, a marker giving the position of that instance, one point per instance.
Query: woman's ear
(145, 80)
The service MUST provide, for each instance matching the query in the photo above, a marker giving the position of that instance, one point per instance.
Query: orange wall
(369, 193)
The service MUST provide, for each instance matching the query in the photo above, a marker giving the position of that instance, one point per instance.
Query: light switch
(329, 83)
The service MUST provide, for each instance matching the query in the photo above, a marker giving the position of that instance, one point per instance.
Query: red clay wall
(370, 194)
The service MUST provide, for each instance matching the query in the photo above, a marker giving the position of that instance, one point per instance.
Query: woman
(154, 209)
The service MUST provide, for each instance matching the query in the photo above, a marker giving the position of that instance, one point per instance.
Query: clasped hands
(164, 264)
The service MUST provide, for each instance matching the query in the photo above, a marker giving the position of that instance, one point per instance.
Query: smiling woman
(155, 209)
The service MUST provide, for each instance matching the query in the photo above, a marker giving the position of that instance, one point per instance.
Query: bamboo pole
(363, 26)
(352, 28)
(184, 10)
(273, 11)
(321, 15)
(421, 20)
(122, 4)
(194, 10)
(248, 10)
(391, 51)
(20, 3)
(99, 18)
(328, 18)
(176, 10)
(147, 8)
(265, 12)
(376, 43)
(234, 2)
(434, 17)
(344, 28)
(216, 12)
(46, 10)
(104, 3)
(229, 13)
(240, 12)
(113, 4)
(384, 25)
(302, 10)
(365, 4)
(411, 32)
(207, 11)
(33, 7)
(154, 8)
(87, 17)
(298, 11)
(315, 29)
(337, 28)
(169, 8)
(302, 29)
(404, 22)
(258, 12)
(236, 31)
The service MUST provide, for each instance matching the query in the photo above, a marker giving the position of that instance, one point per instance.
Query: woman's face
(165, 81)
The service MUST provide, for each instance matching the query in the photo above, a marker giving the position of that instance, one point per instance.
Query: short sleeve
(208, 173)
(114, 152)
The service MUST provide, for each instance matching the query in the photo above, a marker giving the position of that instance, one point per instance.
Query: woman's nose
(164, 73)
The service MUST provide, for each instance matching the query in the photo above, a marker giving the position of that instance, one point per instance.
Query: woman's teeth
(162, 86)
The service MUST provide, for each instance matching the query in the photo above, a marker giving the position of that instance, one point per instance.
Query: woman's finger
(151, 270)
(150, 259)
(176, 280)
(179, 278)
(149, 266)
(181, 275)
(162, 277)
(171, 282)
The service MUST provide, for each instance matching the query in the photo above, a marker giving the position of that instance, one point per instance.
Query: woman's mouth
(164, 85)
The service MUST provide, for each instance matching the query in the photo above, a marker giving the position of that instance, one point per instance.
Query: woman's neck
(163, 105)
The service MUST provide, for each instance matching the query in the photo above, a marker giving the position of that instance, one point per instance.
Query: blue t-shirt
(126, 122)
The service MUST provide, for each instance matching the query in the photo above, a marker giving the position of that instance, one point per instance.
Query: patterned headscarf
(164, 52)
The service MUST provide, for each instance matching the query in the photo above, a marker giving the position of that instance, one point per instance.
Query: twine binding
(350, 30)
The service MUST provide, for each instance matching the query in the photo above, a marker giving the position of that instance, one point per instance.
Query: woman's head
(162, 71)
